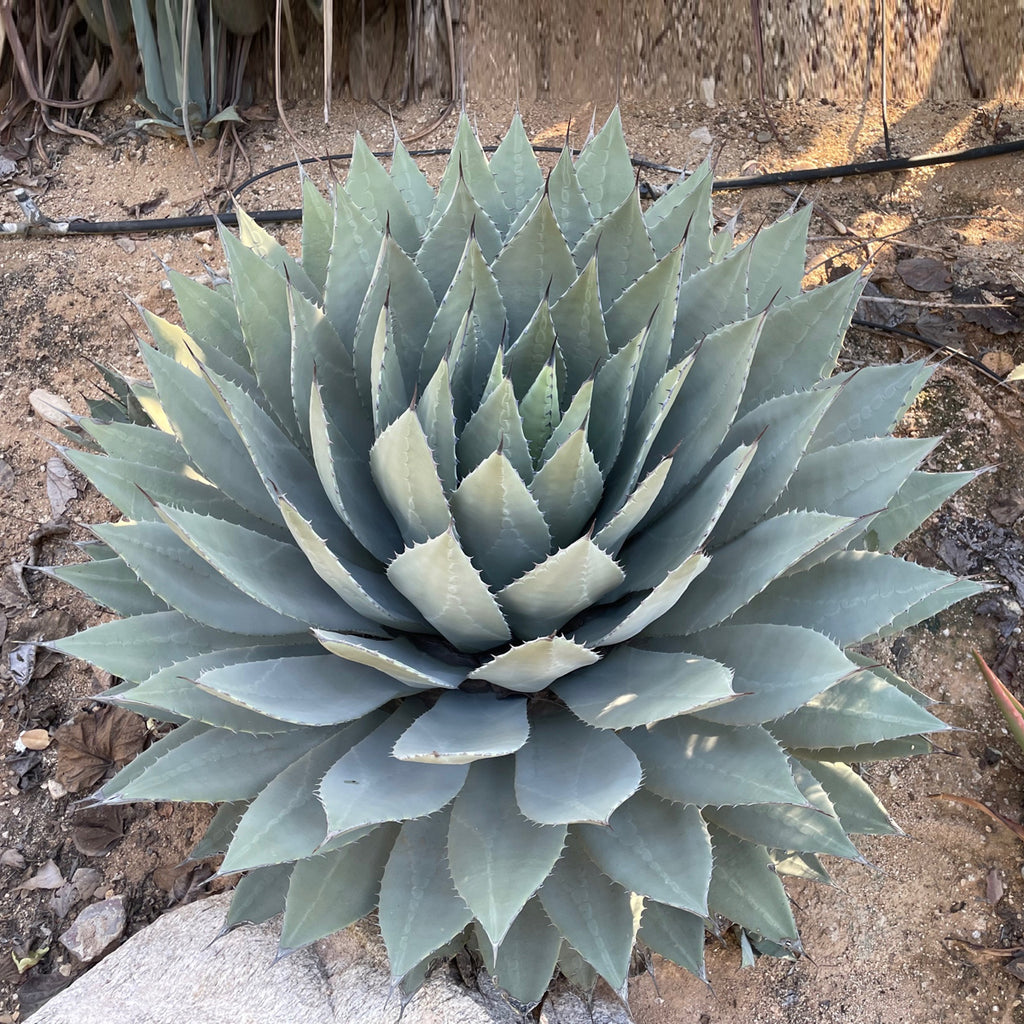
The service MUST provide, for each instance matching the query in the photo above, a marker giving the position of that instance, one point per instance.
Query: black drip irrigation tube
(43, 225)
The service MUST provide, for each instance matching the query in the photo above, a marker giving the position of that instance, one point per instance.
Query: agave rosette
(503, 561)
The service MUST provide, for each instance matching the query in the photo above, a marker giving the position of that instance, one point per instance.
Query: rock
(707, 91)
(343, 979)
(34, 739)
(763, 137)
(96, 929)
(52, 408)
(701, 135)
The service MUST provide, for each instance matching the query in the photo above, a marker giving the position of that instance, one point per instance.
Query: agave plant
(503, 563)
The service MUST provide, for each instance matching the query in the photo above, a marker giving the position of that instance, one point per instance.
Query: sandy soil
(889, 944)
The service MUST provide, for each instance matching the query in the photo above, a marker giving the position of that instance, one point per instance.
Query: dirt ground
(894, 943)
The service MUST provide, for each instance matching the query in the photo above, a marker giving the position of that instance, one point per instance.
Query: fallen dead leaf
(47, 877)
(998, 362)
(22, 661)
(998, 308)
(12, 858)
(95, 743)
(924, 274)
(60, 486)
(97, 830)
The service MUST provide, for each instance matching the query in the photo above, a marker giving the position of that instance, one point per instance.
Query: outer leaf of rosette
(412, 183)
(368, 785)
(745, 567)
(178, 576)
(256, 238)
(400, 659)
(376, 194)
(676, 934)
(398, 284)
(308, 689)
(465, 727)
(472, 287)
(706, 406)
(594, 914)
(403, 470)
(690, 761)
(443, 585)
(549, 595)
(514, 167)
(683, 214)
(801, 340)
(777, 668)
(532, 666)
(709, 299)
(777, 260)
(604, 168)
(365, 592)
(280, 577)
(317, 232)
(348, 483)
(495, 424)
(526, 959)
(535, 262)
(262, 305)
(580, 328)
(499, 523)
(657, 848)
(622, 247)
(208, 435)
(468, 163)
(286, 821)
(419, 909)
(210, 313)
(595, 771)
(632, 687)
(355, 247)
(570, 206)
(445, 242)
(285, 470)
(782, 428)
(871, 402)
(329, 892)
(318, 354)
(745, 890)
(498, 858)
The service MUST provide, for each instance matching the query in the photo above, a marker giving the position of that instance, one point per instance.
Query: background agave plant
(503, 563)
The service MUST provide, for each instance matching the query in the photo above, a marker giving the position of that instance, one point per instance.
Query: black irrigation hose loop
(204, 221)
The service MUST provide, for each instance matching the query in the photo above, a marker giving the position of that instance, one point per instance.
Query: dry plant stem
(934, 304)
(277, 81)
(755, 14)
(1016, 828)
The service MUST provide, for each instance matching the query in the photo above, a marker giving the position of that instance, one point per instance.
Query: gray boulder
(174, 970)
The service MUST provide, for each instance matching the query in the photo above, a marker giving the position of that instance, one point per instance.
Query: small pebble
(96, 929)
(34, 739)
(52, 408)
(763, 137)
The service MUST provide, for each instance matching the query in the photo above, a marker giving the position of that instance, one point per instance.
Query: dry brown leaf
(47, 877)
(96, 830)
(60, 486)
(924, 274)
(94, 744)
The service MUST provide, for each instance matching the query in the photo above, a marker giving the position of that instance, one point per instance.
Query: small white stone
(52, 408)
(701, 135)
